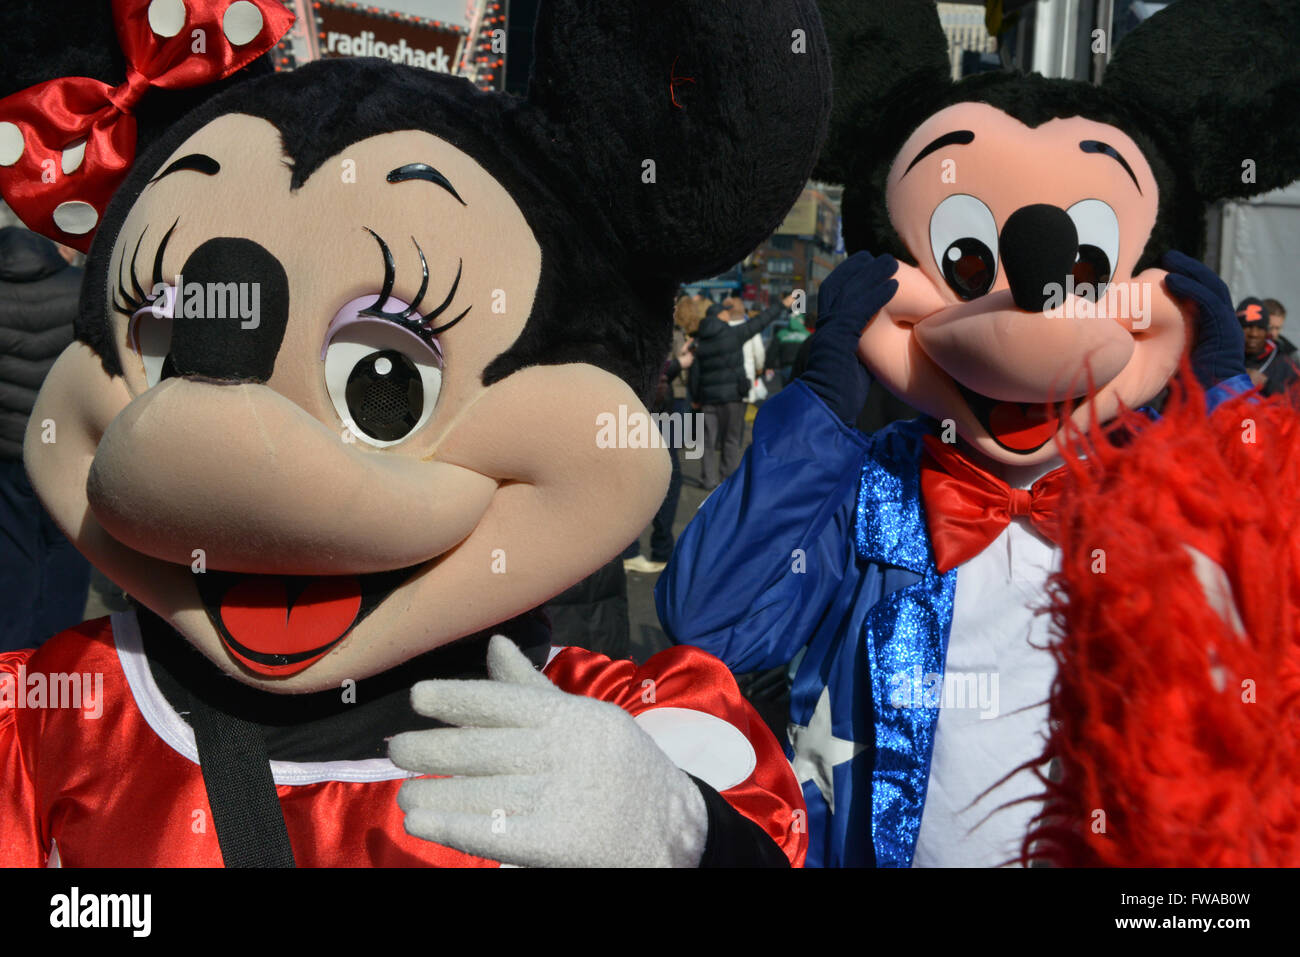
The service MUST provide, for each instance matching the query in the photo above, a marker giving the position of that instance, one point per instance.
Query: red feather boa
(1176, 740)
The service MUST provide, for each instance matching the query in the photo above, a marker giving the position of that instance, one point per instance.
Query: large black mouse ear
(85, 87)
(1223, 80)
(690, 126)
(890, 59)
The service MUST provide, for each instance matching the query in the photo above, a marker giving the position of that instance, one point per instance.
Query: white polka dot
(713, 750)
(383, 365)
(167, 17)
(11, 144)
(75, 218)
(72, 156)
(242, 22)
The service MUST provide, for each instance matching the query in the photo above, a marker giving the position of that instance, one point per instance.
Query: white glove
(546, 778)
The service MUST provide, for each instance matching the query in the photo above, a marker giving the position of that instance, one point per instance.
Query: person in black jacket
(43, 579)
(719, 384)
(1268, 368)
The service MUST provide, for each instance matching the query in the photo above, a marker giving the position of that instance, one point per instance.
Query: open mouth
(1020, 427)
(278, 625)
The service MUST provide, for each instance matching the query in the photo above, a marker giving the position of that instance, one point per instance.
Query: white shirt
(997, 656)
(755, 357)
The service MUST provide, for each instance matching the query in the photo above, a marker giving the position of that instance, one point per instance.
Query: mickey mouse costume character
(345, 341)
(1018, 222)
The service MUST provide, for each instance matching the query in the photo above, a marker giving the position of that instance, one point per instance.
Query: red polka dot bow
(67, 144)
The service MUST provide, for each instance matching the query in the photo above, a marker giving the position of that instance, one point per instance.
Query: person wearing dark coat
(719, 384)
(43, 578)
(1268, 368)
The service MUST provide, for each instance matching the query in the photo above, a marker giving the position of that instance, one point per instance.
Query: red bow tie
(67, 144)
(967, 507)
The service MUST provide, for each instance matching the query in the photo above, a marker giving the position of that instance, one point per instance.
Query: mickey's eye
(1098, 229)
(383, 381)
(964, 240)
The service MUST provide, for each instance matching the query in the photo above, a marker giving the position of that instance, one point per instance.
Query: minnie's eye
(385, 395)
(1098, 229)
(382, 380)
(150, 336)
(964, 240)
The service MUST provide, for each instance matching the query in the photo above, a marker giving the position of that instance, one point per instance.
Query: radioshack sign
(347, 31)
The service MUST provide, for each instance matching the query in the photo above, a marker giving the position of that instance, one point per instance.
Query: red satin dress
(109, 776)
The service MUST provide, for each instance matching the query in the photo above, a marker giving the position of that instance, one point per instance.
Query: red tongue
(256, 612)
(1020, 429)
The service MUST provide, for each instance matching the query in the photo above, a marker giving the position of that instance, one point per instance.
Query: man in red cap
(1268, 369)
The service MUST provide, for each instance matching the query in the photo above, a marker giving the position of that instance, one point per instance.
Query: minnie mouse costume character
(346, 339)
(1018, 222)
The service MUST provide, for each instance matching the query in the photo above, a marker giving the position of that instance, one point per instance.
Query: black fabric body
(322, 726)
(38, 305)
(733, 839)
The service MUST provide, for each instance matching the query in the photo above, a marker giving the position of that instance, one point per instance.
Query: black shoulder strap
(237, 775)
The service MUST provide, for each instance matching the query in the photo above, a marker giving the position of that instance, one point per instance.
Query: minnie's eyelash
(421, 325)
(133, 302)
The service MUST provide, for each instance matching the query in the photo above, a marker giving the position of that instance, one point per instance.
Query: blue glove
(1219, 352)
(851, 295)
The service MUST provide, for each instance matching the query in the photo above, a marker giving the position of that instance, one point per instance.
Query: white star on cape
(817, 751)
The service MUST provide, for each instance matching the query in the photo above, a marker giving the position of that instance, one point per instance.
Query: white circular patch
(75, 218)
(11, 144)
(242, 22)
(167, 17)
(72, 156)
(383, 365)
(713, 750)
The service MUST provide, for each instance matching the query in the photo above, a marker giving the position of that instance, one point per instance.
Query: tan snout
(1000, 351)
(258, 485)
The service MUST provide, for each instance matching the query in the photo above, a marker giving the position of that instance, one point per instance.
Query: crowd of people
(726, 358)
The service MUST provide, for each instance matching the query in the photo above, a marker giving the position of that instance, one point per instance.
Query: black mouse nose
(1038, 246)
(230, 313)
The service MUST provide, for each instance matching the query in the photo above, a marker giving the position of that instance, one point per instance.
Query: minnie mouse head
(347, 332)
(1029, 214)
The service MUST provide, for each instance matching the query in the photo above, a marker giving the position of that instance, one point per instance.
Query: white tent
(1255, 245)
